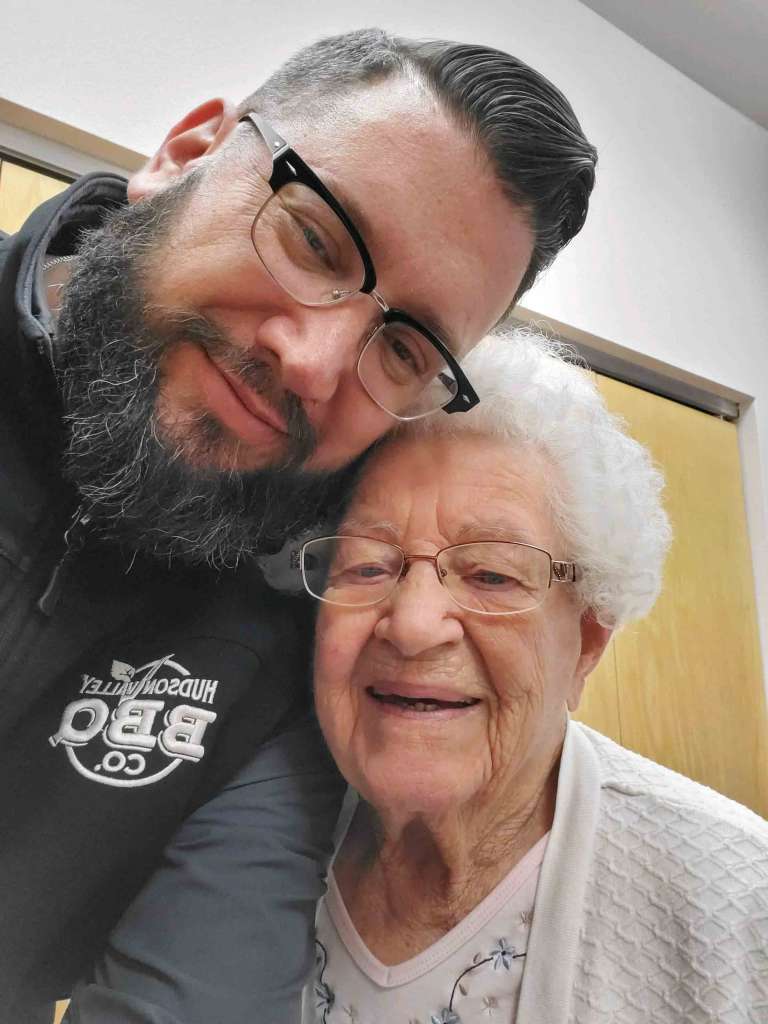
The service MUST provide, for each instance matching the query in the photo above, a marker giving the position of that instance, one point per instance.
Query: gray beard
(140, 489)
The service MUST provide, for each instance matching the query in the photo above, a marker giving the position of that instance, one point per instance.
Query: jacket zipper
(74, 540)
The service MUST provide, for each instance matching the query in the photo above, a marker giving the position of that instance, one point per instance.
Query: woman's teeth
(425, 703)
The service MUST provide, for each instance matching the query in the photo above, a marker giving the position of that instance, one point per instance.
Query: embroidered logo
(138, 740)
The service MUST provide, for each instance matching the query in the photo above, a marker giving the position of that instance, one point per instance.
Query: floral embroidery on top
(446, 1017)
(503, 955)
(324, 996)
(500, 958)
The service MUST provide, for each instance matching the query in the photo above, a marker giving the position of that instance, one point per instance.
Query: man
(184, 380)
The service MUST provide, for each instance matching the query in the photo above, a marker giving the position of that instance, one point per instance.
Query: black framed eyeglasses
(495, 577)
(310, 246)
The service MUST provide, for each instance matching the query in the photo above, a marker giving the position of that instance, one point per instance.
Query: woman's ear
(594, 640)
(196, 136)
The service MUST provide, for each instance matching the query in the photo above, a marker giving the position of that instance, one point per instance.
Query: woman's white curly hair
(606, 491)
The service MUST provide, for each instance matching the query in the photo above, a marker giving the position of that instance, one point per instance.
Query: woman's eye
(489, 578)
(364, 573)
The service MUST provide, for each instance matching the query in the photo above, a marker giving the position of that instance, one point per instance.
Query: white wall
(673, 262)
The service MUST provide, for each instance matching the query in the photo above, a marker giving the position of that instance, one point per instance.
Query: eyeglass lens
(404, 373)
(491, 577)
(306, 247)
(309, 252)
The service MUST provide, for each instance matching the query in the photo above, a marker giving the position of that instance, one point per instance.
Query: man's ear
(196, 136)
(594, 640)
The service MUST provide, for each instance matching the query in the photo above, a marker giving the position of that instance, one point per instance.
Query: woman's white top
(651, 905)
(473, 973)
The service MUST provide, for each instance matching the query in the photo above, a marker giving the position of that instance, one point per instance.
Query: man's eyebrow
(350, 207)
(436, 326)
(427, 319)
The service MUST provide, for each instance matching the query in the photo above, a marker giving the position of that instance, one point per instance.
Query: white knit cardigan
(652, 904)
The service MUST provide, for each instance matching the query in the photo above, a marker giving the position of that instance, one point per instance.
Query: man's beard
(165, 494)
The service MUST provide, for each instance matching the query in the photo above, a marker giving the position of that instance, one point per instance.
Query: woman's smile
(420, 702)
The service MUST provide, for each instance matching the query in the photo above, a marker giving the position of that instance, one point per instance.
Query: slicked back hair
(524, 124)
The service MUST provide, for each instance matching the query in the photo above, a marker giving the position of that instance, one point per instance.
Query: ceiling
(721, 44)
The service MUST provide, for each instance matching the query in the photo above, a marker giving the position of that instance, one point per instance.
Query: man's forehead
(394, 101)
(374, 143)
(427, 202)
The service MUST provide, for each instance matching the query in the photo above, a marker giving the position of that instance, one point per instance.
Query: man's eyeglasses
(310, 246)
(490, 577)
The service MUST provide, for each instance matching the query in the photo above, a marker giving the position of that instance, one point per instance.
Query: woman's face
(519, 670)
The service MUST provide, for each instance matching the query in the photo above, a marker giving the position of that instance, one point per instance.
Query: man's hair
(524, 124)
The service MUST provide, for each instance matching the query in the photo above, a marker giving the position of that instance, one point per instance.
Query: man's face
(447, 246)
(208, 409)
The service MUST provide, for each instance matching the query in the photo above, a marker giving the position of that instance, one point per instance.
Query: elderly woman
(499, 861)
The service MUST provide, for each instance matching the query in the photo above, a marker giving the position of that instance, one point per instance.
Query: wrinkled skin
(451, 803)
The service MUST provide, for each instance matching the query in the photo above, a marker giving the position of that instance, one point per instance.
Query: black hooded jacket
(131, 692)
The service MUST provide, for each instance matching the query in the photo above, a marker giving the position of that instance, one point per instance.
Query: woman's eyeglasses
(489, 577)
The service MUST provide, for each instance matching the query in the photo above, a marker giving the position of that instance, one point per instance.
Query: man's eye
(315, 243)
(404, 352)
(305, 243)
(402, 357)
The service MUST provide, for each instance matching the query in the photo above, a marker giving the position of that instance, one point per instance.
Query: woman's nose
(420, 614)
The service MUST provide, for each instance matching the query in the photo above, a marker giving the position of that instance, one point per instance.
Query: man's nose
(317, 347)
(420, 614)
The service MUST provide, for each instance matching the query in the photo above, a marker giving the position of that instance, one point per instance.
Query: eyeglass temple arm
(276, 143)
(563, 572)
(466, 399)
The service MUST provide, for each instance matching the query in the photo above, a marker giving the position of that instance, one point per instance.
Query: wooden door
(685, 685)
(21, 190)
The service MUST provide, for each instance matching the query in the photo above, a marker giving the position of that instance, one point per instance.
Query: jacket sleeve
(223, 931)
